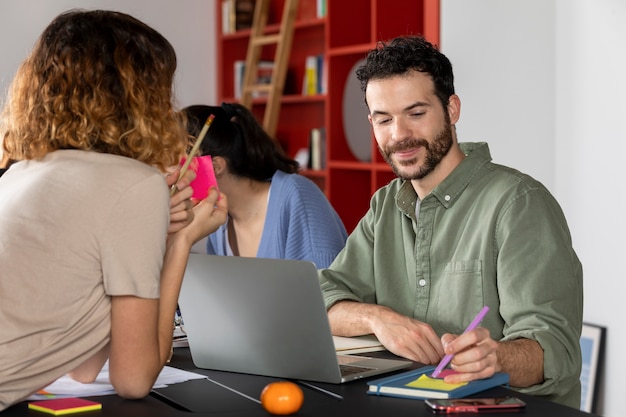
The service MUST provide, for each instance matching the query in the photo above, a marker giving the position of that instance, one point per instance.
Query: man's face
(412, 129)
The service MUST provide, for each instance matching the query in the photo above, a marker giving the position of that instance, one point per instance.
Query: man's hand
(401, 335)
(477, 355)
(407, 337)
(474, 355)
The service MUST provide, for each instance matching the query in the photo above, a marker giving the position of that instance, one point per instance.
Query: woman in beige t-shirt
(91, 263)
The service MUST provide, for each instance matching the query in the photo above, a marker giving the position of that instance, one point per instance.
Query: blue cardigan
(300, 224)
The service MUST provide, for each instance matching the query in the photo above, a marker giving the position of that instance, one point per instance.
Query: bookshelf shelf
(290, 99)
(361, 48)
(274, 28)
(342, 38)
(299, 98)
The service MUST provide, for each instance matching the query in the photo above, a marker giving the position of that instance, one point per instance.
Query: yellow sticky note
(426, 382)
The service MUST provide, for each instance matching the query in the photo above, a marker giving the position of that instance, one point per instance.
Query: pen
(320, 389)
(193, 151)
(446, 359)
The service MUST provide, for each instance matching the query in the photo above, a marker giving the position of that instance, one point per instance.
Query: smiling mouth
(407, 153)
(409, 146)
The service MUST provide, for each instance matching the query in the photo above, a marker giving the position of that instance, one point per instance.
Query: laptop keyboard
(347, 370)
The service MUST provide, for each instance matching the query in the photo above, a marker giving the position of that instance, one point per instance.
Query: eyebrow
(410, 107)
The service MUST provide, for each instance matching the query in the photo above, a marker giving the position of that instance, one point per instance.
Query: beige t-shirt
(75, 229)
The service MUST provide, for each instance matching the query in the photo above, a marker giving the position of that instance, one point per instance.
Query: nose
(400, 130)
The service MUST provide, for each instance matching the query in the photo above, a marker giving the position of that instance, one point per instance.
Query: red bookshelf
(343, 36)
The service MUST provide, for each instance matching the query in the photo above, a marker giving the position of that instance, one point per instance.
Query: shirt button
(447, 197)
(422, 282)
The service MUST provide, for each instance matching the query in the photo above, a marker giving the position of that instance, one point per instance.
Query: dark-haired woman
(273, 212)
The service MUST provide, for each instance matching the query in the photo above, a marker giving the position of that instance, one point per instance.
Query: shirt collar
(476, 155)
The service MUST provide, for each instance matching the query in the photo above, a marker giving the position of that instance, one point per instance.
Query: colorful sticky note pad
(62, 406)
(205, 176)
(424, 381)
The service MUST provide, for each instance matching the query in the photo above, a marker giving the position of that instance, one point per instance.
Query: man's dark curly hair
(405, 53)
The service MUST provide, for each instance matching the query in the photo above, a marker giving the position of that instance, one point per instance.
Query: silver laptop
(265, 317)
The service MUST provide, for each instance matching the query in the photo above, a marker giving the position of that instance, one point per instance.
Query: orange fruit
(282, 398)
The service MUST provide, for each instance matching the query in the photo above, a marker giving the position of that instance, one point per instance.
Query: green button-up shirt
(487, 235)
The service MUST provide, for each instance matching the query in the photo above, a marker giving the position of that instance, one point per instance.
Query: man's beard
(435, 152)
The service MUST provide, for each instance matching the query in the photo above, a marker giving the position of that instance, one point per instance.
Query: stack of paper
(65, 386)
(358, 344)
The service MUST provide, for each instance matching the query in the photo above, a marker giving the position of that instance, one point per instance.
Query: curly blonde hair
(98, 81)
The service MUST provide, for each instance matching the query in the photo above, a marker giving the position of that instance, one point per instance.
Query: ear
(219, 165)
(454, 108)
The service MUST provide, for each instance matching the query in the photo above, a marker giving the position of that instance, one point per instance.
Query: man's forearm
(522, 359)
(350, 318)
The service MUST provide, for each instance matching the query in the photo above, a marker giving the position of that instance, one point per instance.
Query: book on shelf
(309, 84)
(322, 75)
(317, 148)
(239, 67)
(419, 384)
(265, 70)
(320, 6)
(314, 81)
(237, 15)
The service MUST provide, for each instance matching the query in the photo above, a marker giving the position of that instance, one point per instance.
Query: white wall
(590, 91)
(502, 53)
(188, 25)
(544, 82)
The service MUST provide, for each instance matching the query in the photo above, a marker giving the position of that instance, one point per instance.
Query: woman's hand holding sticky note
(205, 176)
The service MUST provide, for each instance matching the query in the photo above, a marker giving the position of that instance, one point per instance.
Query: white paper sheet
(67, 387)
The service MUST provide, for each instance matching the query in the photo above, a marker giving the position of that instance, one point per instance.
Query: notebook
(265, 317)
(420, 384)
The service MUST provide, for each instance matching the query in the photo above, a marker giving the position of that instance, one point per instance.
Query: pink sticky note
(205, 176)
(62, 406)
(447, 372)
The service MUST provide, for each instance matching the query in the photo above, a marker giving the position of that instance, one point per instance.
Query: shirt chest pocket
(457, 295)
